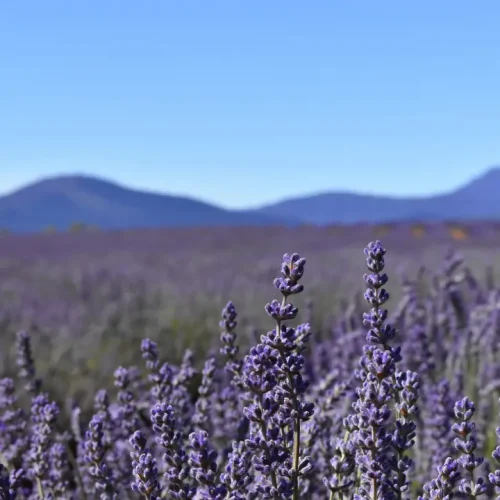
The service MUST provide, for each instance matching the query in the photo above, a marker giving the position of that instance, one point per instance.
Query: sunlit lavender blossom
(144, 468)
(14, 440)
(471, 486)
(160, 375)
(95, 456)
(201, 414)
(175, 457)
(203, 463)
(44, 414)
(127, 408)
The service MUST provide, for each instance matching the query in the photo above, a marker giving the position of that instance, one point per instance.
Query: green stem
(374, 481)
(39, 487)
(296, 457)
(296, 430)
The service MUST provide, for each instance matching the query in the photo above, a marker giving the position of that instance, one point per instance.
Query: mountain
(479, 199)
(62, 201)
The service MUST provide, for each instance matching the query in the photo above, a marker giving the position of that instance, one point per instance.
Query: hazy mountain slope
(479, 199)
(62, 201)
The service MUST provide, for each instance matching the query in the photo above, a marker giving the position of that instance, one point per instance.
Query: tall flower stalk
(290, 345)
(381, 439)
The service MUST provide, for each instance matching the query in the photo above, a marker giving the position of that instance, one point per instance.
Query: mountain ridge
(64, 200)
(476, 199)
(61, 201)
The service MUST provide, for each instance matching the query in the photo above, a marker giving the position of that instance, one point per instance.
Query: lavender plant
(338, 414)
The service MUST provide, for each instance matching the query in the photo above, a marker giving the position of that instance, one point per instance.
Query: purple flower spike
(144, 468)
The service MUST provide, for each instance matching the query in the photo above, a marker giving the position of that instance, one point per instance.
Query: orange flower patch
(459, 233)
(418, 230)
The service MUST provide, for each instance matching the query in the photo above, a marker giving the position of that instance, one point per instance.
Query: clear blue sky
(242, 102)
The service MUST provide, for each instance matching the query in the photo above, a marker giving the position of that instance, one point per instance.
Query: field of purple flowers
(122, 378)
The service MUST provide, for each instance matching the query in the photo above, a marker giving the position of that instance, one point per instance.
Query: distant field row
(262, 239)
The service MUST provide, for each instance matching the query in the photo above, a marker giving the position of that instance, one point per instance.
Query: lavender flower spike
(43, 415)
(144, 469)
(95, 456)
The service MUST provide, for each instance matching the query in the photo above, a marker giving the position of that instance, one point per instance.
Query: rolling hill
(477, 200)
(62, 201)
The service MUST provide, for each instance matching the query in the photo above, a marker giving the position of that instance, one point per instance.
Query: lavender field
(202, 363)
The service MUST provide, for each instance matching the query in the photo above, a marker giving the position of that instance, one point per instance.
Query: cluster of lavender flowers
(387, 417)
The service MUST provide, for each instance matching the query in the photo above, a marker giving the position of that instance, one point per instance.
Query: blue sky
(242, 102)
